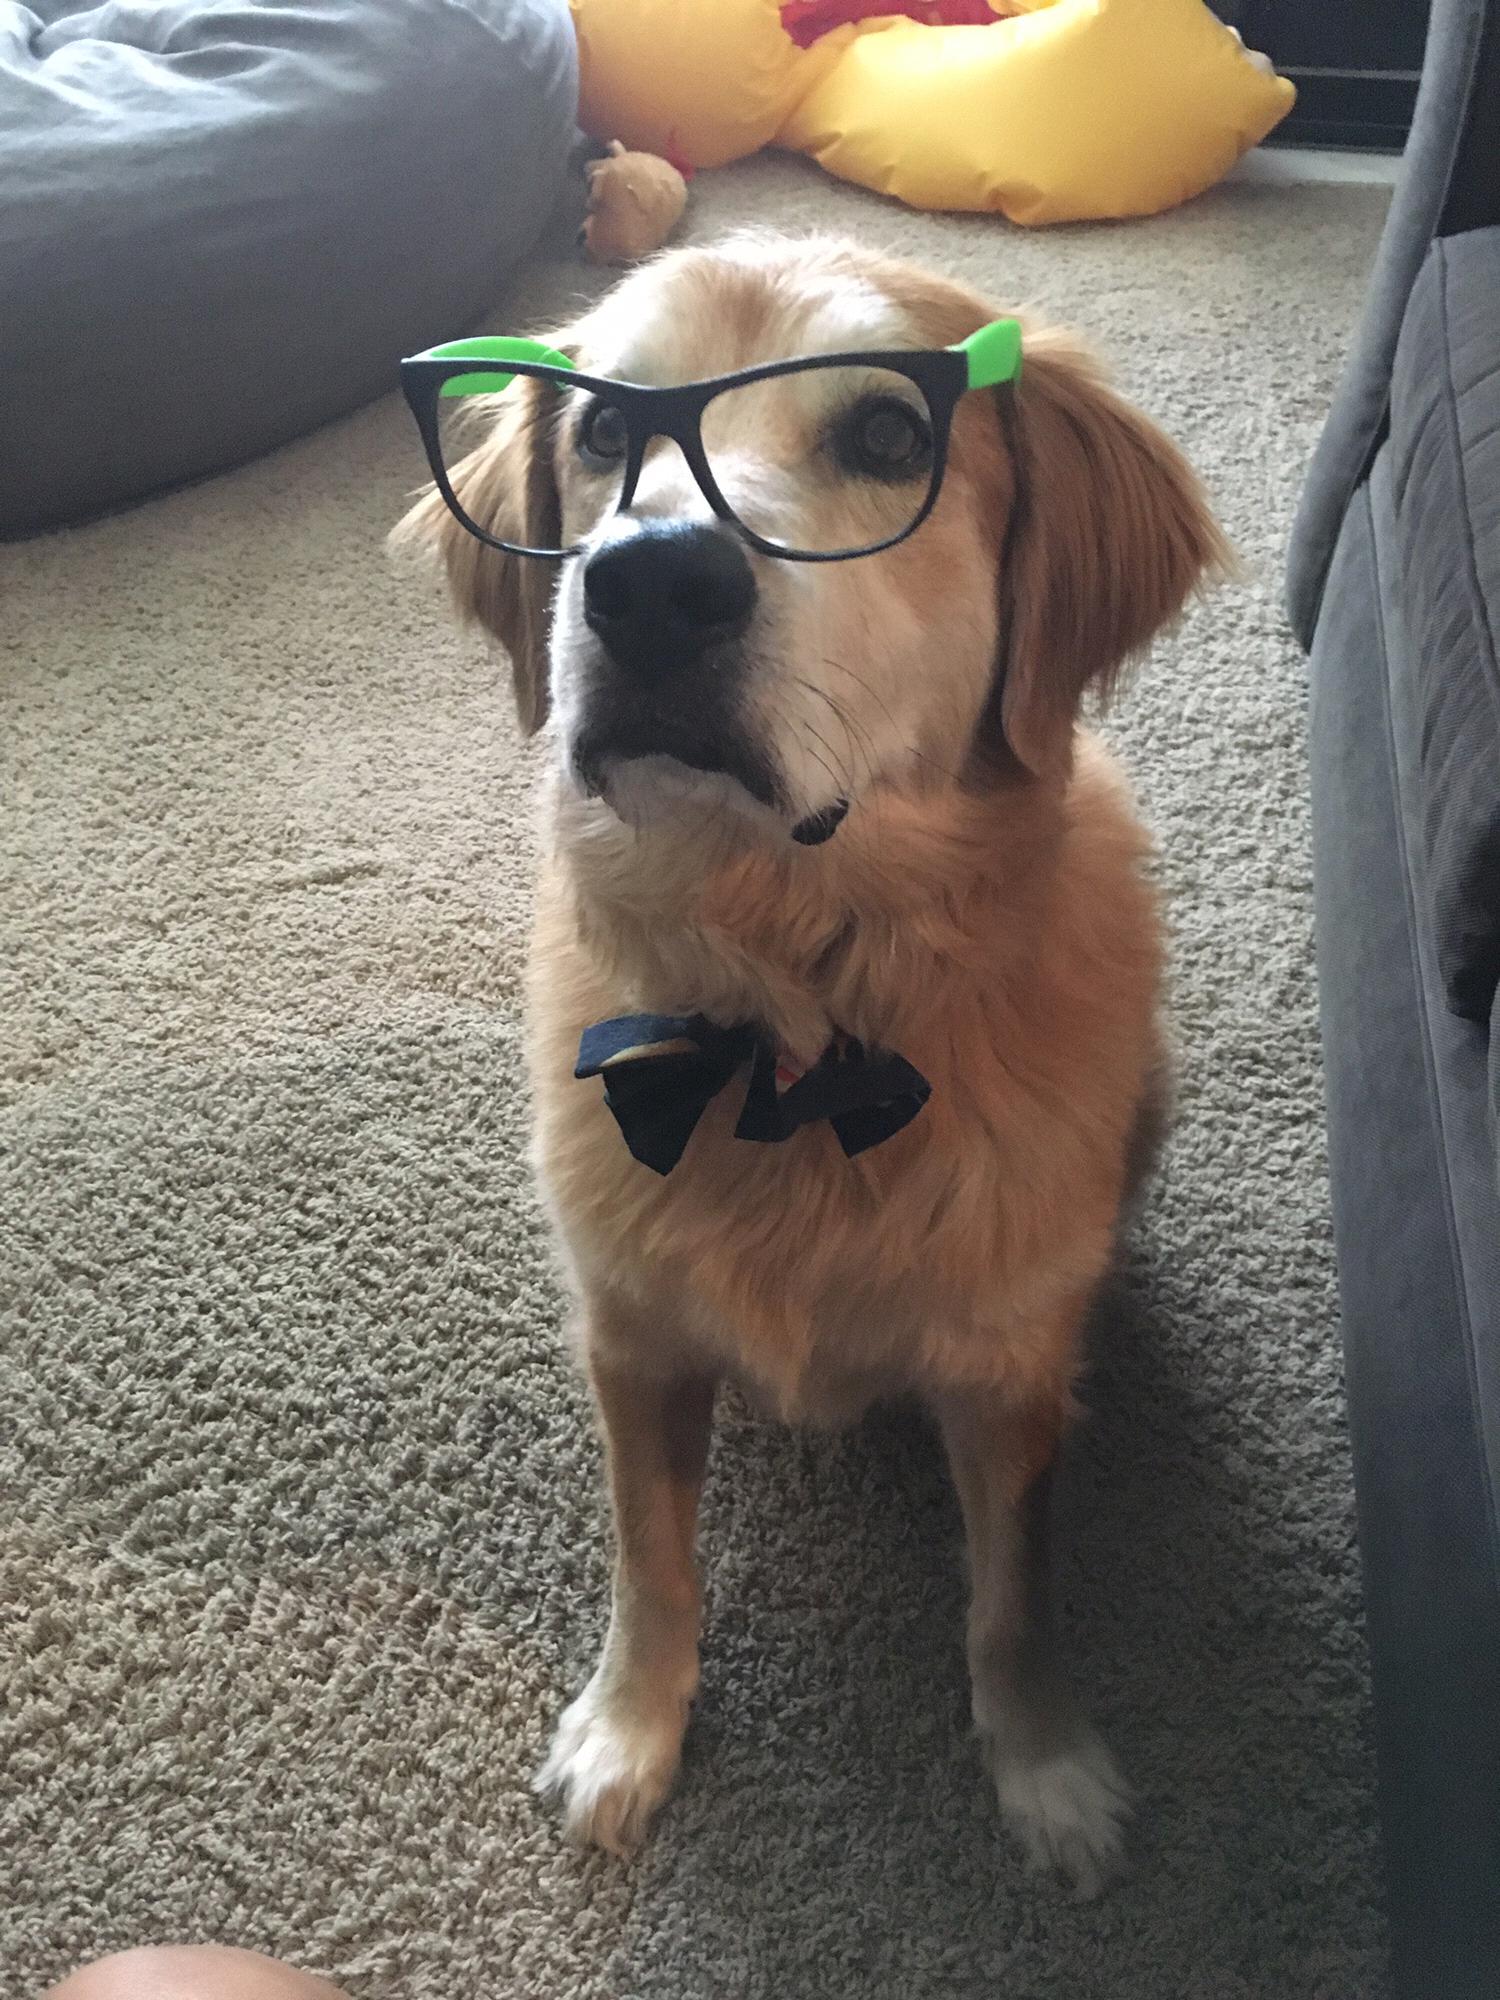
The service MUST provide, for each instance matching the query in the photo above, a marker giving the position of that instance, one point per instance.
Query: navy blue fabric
(1417, 1220)
(660, 1074)
(661, 1071)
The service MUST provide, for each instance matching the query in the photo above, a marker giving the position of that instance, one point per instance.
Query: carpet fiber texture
(301, 1542)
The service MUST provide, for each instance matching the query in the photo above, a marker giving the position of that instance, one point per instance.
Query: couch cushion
(222, 222)
(1445, 446)
(1417, 1217)
(1452, 69)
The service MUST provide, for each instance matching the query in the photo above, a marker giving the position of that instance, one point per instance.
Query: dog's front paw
(611, 1764)
(1068, 1807)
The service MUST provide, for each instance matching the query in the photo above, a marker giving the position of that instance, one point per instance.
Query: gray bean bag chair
(222, 222)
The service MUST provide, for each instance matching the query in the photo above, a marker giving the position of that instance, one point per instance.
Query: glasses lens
(476, 411)
(824, 460)
(598, 438)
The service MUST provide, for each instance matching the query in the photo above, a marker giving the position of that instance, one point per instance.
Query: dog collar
(661, 1071)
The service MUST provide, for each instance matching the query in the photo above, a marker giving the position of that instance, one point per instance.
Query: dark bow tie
(661, 1070)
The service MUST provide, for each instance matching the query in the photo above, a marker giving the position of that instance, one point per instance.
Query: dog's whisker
(859, 744)
(843, 780)
(862, 743)
(860, 740)
(909, 748)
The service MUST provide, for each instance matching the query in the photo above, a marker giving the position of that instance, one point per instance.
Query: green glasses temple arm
(490, 347)
(993, 354)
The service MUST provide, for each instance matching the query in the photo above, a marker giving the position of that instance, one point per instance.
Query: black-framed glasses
(816, 460)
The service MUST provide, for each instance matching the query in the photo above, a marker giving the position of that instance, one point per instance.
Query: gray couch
(1395, 589)
(225, 221)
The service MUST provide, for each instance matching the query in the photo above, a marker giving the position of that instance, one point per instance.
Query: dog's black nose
(659, 593)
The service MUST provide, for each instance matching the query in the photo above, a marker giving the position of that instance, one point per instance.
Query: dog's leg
(1058, 1786)
(616, 1750)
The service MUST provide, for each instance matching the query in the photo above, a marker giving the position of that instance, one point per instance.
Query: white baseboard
(1281, 166)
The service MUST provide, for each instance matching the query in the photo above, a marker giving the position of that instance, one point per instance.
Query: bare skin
(192, 1972)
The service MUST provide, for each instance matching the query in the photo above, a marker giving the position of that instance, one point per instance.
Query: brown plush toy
(635, 202)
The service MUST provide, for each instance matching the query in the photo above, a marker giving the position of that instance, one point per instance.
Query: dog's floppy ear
(508, 485)
(1109, 533)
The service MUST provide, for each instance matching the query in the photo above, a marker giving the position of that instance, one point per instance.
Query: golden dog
(981, 911)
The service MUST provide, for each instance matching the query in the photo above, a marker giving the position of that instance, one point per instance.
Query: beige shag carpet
(300, 1536)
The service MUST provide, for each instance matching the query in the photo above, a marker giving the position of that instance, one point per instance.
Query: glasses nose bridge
(679, 422)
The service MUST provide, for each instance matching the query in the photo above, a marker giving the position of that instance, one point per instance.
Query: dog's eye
(883, 437)
(602, 434)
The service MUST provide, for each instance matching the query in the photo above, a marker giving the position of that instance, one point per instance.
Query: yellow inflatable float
(1042, 110)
